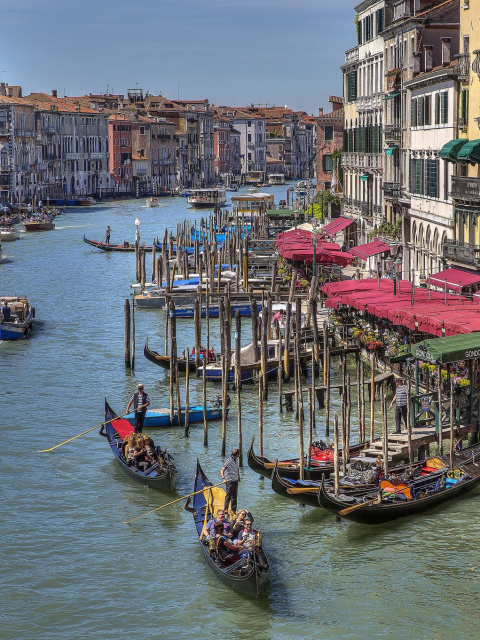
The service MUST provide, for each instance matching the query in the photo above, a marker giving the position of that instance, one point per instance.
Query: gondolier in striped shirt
(230, 473)
(140, 401)
(401, 399)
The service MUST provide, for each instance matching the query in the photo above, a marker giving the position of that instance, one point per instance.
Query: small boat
(233, 186)
(161, 417)
(159, 476)
(39, 225)
(396, 498)
(247, 575)
(85, 202)
(276, 178)
(187, 311)
(21, 319)
(8, 234)
(207, 197)
(126, 247)
(164, 361)
(321, 463)
(153, 202)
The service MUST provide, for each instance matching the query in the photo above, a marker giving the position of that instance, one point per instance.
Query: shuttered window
(444, 107)
(431, 178)
(380, 21)
(464, 104)
(351, 86)
(437, 108)
(359, 31)
(428, 111)
(413, 113)
(420, 112)
(327, 163)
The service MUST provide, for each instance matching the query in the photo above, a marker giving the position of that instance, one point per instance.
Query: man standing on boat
(108, 231)
(140, 401)
(401, 399)
(230, 473)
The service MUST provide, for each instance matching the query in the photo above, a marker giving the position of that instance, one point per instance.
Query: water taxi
(21, 318)
(249, 205)
(276, 178)
(153, 202)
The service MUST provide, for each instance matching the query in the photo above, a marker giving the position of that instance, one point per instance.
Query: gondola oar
(174, 501)
(82, 434)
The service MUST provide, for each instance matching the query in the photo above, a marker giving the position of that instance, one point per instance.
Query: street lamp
(396, 268)
(137, 230)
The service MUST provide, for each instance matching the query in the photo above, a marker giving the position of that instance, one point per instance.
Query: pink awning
(336, 226)
(365, 251)
(454, 279)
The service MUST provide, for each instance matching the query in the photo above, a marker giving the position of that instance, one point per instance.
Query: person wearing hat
(140, 401)
(401, 398)
(230, 473)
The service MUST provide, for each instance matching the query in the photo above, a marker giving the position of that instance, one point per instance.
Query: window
(413, 113)
(249, 137)
(444, 107)
(359, 32)
(351, 86)
(327, 163)
(428, 109)
(420, 112)
(141, 131)
(431, 178)
(464, 105)
(380, 20)
(328, 129)
(437, 108)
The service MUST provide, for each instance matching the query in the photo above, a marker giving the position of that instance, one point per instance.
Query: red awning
(365, 251)
(304, 253)
(455, 279)
(336, 225)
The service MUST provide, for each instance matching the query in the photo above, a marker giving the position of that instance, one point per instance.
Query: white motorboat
(207, 197)
(8, 234)
(153, 202)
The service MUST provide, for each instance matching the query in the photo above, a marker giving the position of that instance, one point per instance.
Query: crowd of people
(140, 452)
(231, 539)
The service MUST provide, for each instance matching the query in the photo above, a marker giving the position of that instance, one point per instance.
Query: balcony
(392, 189)
(392, 133)
(367, 209)
(462, 253)
(465, 188)
(4, 131)
(462, 66)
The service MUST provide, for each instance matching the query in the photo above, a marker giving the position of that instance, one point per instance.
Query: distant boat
(161, 417)
(276, 178)
(8, 234)
(40, 225)
(153, 202)
(187, 311)
(207, 197)
(126, 247)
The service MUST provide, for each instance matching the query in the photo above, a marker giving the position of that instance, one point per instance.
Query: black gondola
(162, 477)
(247, 576)
(427, 492)
(164, 361)
(308, 494)
(291, 469)
(126, 247)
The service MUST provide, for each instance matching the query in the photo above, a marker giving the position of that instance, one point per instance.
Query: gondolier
(401, 400)
(140, 401)
(230, 473)
(108, 231)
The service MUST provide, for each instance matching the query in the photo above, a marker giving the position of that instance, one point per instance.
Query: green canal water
(72, 570)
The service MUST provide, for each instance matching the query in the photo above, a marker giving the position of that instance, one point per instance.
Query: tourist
(208, 529)
(140, 401)
(108, 231)
(401, 399)
(246, 538)
(231, 476)
(226, 550)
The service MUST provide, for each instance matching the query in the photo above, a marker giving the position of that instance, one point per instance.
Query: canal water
(71, 569)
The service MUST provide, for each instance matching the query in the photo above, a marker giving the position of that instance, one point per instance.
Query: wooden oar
(294, 490)
(271, 465)
(174, 501)
(376, 500)
(82, 434)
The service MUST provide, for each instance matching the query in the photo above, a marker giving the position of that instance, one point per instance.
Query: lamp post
(295, 213)
(314, 241)
(396, 264)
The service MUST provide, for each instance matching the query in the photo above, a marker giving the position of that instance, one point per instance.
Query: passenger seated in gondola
(125, 244)
(227, 551)
(246, 538)
(151, 452)
(208, 529)
(239, 523)
(129, 448)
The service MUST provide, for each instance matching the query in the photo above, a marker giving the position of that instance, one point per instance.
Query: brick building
(329, 139)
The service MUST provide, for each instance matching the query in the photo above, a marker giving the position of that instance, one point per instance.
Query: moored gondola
(125, 247)
(247, 575)
(400, 498)
(302, 491)
(290, 468)
(164, 361)
(162, 475)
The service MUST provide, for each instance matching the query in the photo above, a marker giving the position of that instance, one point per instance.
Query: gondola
(164, 361)
(157, 477)
(247, 576)
(290, 468)
(420, 495)
(126, 247)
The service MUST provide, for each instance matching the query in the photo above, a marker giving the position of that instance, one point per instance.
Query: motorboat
(153, 202)
(207, 197)
(21, 318)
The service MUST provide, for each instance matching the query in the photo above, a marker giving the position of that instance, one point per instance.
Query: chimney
(54, 93)
(446, 51)
(416, 62)
(428, 49)
(77, 107)
(320, 111)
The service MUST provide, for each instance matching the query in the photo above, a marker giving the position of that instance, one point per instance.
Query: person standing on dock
(140, 401)
(401, 398)
(230, 473)
(108, 231)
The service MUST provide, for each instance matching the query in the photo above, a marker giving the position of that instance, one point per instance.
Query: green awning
(452, 349)
(392, 95)
(470, 152)
(390, 150)
(450, 150)
(280, 213)
(365, 177)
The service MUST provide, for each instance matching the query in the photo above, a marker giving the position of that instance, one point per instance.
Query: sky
(237, 52)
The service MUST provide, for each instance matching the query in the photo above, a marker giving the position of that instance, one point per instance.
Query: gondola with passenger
(161, 474)
(247, 575)
(125, 247)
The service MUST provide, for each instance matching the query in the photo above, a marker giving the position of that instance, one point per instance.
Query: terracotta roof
(431, 10)
(45, 101)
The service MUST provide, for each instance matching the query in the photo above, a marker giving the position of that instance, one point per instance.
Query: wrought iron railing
(464, 188)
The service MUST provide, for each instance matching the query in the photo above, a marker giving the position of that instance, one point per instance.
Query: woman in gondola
(227, 552)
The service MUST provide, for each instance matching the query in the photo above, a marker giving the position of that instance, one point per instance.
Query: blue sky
(237, 52)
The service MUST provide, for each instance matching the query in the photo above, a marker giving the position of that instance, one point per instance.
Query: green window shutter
(428, 110)
(420, 112)
(437, 108)
(413, 113)
(426, 178)
(359, 31)
(464, 105)
(380, 14)
(413, 179)
(418, 176)
(433, 179)
(444, 107)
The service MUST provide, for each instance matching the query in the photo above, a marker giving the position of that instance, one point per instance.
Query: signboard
(424, 403)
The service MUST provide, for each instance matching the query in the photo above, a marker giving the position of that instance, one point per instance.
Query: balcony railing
(462, 252)
(465, 188)
(462, 66)
(392, 189)
(392, 132)
(367, 209)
